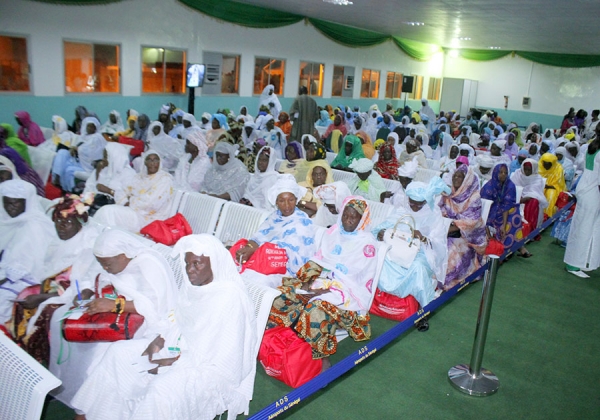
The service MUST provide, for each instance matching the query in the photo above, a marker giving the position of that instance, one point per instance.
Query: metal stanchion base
(486, 383)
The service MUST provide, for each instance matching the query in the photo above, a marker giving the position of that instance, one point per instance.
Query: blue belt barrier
(296, 396)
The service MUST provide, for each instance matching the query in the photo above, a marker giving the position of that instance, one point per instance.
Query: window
(163, 70)
(435, 84)
(14, 68)
(370, 84)
(91, 68)
(230, 79)
(268, 71)
(338, 81)
(311, 77)
(417, 92)
(393, 85)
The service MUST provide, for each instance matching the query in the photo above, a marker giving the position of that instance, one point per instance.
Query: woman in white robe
(332, 196)
(269, 99)
(114, 123)
(533, 191)
(113, 179)
(25, 235)
(169, 149)
(216, 363)
(149, 198)
(62, 135)
(261, 180)
(227, 177)
(194, 164)
(80, 158)
(583, 246)
(430, 265)
(143, 277)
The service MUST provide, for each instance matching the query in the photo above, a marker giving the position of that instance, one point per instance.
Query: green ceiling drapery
(78, 2)
(415, 49)
(243, 14)
(347, 35)
(561, 60)
(482, 55)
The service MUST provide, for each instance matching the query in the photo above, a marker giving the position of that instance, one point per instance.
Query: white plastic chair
(432, 164)
(47, 132)
(518, 200)
(238, 221)
(330, 157)
(390, 184)
(379, 212)
(425, 175)
(176, 202)
(486, 205)
(342, 175)
(24, 383)
(201, 211)
(262, 298)
(41, 160)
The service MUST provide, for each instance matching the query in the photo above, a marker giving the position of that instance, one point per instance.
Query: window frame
(271, 59)
(92, 43)
(413, 95)
(184, 72)
(438, 88)
(369, 93)
(238, 67)
(321, 78)
(27, 38)
(341, 95)
(395, 73)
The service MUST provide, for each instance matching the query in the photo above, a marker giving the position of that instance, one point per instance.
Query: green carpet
(542, 344)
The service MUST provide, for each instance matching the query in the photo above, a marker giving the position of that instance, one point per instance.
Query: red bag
(267, 259)
(393, 307)
(168, 231)
(563, 199)
(138, 145)
(495, 247)
(287, 357)
(105, 326)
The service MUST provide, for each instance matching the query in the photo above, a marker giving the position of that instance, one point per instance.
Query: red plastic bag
(267, 259)
(168, 231)
(495, 247)
(393, 307)
(138, 145)
(287, 357)
(563, 199)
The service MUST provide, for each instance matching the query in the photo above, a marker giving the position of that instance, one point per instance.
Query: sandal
(526, 255)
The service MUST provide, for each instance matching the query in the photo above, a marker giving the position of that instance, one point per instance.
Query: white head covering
(419, 191)
(118, 159)
(285, 183)
(7, 165)
(144, 170)
(395, 136)
(60, 124)
(113, 242)
(198, 139)
(409, 168)
(485, 161)
(362, 165)
(561, 151)
(228, 149)
(192, 119)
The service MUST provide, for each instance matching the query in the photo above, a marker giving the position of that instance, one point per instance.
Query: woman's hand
(245, 201)
(73, 151)
(104, 189)
(453, 228)
(420, 236)
(549, 187)
(33, 301)
(246, 252)
(161, 363)
(380, 235)
(85, 295)
(384, 195)
(100, 305)
(524, 200)
(154, 347)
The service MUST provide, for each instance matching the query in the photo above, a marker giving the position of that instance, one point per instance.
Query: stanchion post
(473, 379)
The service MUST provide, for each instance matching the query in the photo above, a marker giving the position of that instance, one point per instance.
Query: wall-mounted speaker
(408, 84)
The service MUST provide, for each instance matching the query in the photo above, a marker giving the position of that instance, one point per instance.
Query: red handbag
(138, 145)
(267, 259)
(287, 357)
(169, 231)
(393, 307)
(104, 326)
(494, 247)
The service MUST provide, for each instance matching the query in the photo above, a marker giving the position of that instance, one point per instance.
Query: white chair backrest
(342, 175)
(320, 130)
(41, 160)
(331, 156)
(178, 197)
(174, 262)
(519, 193)
(201, 211)
(379, 212)
(432, 164)
(47, 132)
(425, 175)
(486, 205)
(390, 184)
(262, 298)
(238, 221)
(24, 383)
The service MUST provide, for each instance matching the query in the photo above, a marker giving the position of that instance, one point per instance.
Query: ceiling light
(339, 2)
(464, 38)
(495, 48)
(414, 23)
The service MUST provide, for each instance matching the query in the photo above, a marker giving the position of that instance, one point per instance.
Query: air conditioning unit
(213, 74)
(349, 84)
(526, 101)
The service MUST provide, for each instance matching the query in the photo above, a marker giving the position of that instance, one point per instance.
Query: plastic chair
(238, 221)
(379, 212)
(24, 383)
(262, 299)
(201, 211)
(425, 175)
(47, 132)
(486, 205)
(330, 157)
(390, 184)
(174, 262)
(41, 160)
(176, 202)
(342, 175)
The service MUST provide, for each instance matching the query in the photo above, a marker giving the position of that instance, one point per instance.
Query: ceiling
(561, 26)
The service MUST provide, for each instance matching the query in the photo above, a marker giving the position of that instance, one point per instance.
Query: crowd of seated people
(432, 172)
